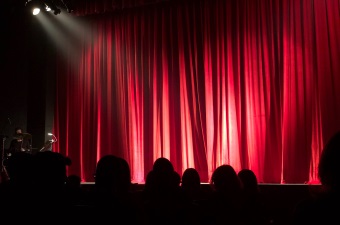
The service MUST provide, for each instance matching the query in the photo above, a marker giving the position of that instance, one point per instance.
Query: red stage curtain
(250, 83)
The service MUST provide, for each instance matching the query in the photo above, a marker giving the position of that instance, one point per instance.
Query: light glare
(36, 11)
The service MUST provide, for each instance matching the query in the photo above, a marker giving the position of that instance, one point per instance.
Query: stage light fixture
(53, 6)
(36, 6)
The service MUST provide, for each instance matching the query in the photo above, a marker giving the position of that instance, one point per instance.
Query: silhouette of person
(21, 142)
(191, 184)
(16, 193)
(224, 205)
(36, 185)
(254, 211)
(323, 207)
(113, 198)
(164, 202)
(74, 190)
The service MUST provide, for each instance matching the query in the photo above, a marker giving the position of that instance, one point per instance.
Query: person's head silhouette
(329, 164)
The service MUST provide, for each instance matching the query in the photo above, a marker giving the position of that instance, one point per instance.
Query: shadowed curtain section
(250, 83)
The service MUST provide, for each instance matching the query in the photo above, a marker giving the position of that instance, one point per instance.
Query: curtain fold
(250, 83)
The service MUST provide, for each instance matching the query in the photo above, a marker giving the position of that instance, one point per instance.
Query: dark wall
(40, 80)
(27, 76)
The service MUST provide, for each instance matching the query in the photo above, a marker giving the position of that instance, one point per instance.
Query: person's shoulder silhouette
(324, 207)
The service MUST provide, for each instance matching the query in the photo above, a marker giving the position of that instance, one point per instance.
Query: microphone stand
(48, 144)
(54, 140)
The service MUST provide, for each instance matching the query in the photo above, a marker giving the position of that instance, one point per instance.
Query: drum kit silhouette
(23, 137)
(28, 137)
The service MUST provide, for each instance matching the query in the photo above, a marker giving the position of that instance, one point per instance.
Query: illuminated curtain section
(297, 89)
(250, 83)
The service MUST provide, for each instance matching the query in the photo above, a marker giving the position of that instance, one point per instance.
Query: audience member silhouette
(164, 201)
(162, 178)
(194, 195)
(191, 184)
(254, 210)
(113, 199)
(324, 207)
(73, 181)
(224, 206)
(38, 182)
(16, 193)
(73, 190)
(50, 171)
(19, 169)
(49, 179)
